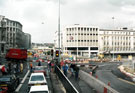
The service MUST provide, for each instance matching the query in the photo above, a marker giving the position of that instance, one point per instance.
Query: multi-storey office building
(2, 34)
(80, 40)
(117, 42)
(89, 41)
(13, 35)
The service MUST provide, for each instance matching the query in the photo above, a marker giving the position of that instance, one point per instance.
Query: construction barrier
(99, 86)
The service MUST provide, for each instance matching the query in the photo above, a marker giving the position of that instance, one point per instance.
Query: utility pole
(59, 31)
(113, 38)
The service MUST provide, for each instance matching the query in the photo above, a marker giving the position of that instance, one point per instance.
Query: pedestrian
(3, 70)
(49, 64)
(21, 67)
(61, 63)
(72, 66)
(39, 63)
(31, 66)
(65, 69)
(15, 67)
(52, 66)
(9, 67)
(76, 72)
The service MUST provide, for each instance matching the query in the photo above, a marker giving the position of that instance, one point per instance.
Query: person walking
(31, 66)
(39, 63)
(9, 67)
(15, 68)
(72, 66)
(76, 72)
(65, 69)
(21, 67)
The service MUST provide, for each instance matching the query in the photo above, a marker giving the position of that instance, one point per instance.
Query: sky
(40, 17)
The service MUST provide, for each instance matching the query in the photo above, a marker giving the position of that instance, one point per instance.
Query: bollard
(96, 76)
(109, 83)
(105, 90)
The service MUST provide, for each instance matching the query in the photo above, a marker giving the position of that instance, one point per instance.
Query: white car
(37, 79)
(39, 89)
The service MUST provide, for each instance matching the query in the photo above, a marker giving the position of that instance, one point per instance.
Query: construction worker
(31, 66)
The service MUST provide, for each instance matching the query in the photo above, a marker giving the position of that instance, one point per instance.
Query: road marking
(126, 81)
(18, 88)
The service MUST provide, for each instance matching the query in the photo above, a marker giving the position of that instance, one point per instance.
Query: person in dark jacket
(39, 63)
(76, 72)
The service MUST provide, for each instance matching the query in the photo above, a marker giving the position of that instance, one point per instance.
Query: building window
(78, 28)
(81, 28)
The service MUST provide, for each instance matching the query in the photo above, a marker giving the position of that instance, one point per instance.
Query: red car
(3, 89)
(39, 69)
(40, 60)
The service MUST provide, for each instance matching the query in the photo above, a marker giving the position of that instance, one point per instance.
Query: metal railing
(66, 83)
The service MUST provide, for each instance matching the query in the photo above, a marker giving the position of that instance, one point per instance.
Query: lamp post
(59, 31)
(113, 37)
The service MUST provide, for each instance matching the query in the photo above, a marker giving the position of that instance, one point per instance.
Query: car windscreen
(39, 92)
(37, 78)
(2, 79)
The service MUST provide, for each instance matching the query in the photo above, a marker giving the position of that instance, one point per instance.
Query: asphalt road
(107, 72)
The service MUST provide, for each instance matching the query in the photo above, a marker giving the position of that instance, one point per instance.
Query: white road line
(18, 88)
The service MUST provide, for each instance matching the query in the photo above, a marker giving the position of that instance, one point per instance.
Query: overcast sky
(40, 17)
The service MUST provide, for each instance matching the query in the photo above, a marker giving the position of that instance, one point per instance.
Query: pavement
(80, 85)
(56, 84)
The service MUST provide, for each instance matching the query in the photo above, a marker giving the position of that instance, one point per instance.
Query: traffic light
(52, 52)
(57, 53)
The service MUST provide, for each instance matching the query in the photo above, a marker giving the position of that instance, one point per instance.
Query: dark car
(9, 82)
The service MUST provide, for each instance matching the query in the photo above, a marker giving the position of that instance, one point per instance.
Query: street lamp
(59, 31)
(113, 37)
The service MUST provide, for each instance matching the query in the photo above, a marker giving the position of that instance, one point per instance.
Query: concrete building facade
(80, 40)
(12, 35)
(117, 42)
(91, 41)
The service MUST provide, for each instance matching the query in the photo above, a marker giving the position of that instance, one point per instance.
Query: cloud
(40, 17)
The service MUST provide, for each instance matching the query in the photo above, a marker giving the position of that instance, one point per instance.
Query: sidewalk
(56, 83)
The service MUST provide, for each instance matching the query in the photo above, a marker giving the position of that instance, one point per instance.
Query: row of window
(118, 43)
(82, 29)
(117, 37)
(116, 32)
(82, 34)
(117, 49)
(82, 40)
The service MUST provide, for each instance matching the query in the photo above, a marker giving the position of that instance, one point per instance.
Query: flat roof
(39, 88)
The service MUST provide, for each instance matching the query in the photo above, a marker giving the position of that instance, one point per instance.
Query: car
(39, 89)
(3, 90)
(39, 69)
(37, 79)
(40, 60)
(9, 82)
